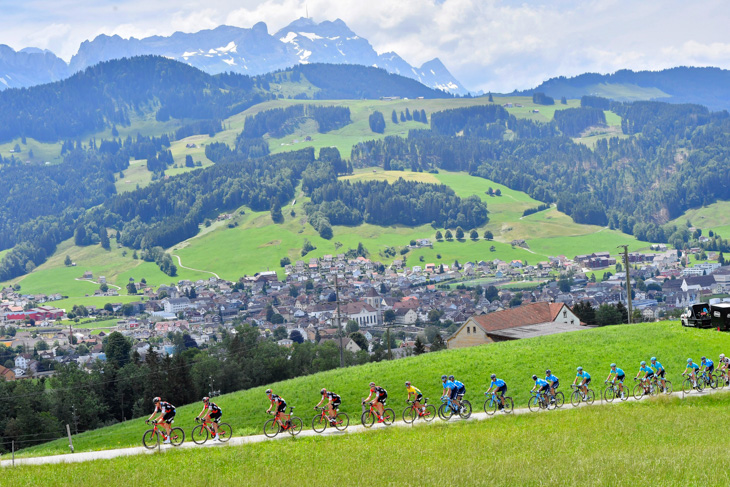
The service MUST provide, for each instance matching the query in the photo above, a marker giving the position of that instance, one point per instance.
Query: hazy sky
(487, 44)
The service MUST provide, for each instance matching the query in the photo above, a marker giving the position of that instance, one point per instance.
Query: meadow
(594, 349)
(635, 443)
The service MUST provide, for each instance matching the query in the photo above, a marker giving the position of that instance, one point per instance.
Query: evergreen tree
(491, 100)
(394, 117)
(488, 235)
(474, 235)
(276, 215)
(402, 117)
(80, 236)
(67, 262)
(377, 122)
(439, 236)
(418, 347)
(448, 235)
(409, 117)
(459, 233)
(438, 343)
(104, 239)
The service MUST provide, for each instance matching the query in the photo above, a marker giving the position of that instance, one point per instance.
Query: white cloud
(496, 45)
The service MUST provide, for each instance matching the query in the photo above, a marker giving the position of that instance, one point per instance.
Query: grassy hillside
(714, 217)
(513, 361)
(630, 444)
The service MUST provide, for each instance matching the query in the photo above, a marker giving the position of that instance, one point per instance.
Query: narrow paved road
(179, 263)
(354, 428)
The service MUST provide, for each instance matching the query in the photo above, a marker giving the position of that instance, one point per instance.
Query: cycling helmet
(268, 391)
(156, 400)
(323, 391)
(372, 384)
(653, 359)
(689, 360)
(451, 377)
(580, 369)
(613, 365)
(408, 383)
(704, 358)
(206, 399)
(722, 355)
(534, 377)
(493, 376)
(547, 372)
(443, 377)
(643, 363)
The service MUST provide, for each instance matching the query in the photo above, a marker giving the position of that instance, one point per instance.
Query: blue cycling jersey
(449, 385)
(617, 371)
(552, 378)
(541, 382)
(584, 374)
(458, 384)
(498, 383)
(646, 369)
(708, 363)
(657, 366)
(693, 366)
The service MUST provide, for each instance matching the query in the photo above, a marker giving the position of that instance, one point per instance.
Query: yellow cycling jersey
(413, 390)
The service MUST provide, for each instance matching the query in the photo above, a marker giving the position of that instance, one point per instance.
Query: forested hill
(705, 86)
(109, 93)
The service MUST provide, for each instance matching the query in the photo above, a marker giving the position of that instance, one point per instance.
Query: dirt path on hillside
(355, 427)
(97, 283)
(179, 263)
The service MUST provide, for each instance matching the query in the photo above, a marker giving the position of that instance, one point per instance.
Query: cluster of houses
(304, 301)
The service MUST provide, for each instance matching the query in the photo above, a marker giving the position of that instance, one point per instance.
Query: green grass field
(714, 217)
(628, 444)
(594, 349)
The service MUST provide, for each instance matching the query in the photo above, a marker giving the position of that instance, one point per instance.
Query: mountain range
(248, 51)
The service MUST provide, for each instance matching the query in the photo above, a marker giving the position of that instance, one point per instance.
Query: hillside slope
(593, 349)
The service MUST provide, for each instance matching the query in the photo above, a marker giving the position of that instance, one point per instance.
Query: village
(424, 307)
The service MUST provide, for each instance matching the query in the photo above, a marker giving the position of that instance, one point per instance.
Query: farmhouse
(526, 321)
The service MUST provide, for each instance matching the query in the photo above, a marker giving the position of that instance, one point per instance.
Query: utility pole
(628, 278)
(387, 341)
(339, 322)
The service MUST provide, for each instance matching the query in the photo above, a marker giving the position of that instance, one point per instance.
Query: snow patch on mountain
(289, 38)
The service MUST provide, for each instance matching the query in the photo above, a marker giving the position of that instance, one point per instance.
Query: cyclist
(585, 380)
(619, 376)
(381, 395)
(167, 416)
(708, 366)
(659, 372)
(333, 403)
(500, 388)
(459, 390)
(553, 381)
(212, 413)
(279, 403)
(449, 386)
(541, 385)
(417, 396)
(692, 368)
(724, 363)
(648, 374)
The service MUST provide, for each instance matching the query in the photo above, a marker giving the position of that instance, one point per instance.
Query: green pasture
(594, 349)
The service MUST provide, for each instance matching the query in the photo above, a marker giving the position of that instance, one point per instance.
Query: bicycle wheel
(409, 415)
(296, 425)
(509, 405)
(701, 384)
(429, 413)
(388, 416)
(720, 379)
(177, 436)
(342, 421)
(609, 394)
(490, 406)
(591, 396)
(465, 411)
(367, 419)
(445, 412)
(686, 386)
(638, 391)
(559, 399)
(713, 381)
(225, 432)
(199, 434)
(319, 424)
(150, 439)
(667, 387)
(533, 404)
(576, 398)
(271, 428)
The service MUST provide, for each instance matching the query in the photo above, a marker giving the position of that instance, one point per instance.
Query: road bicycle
(426, 411)
(368, 417)
(578, 397)
(292, 424)
(708, 380)
(450, 408)
(613, 391)
(688, 385)
(645, 388)
(723, 378)
(557, 399)
(151, 438)
(666, 389)
(320, 421)
(492, 404)
(539, 400)
(201, 432)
